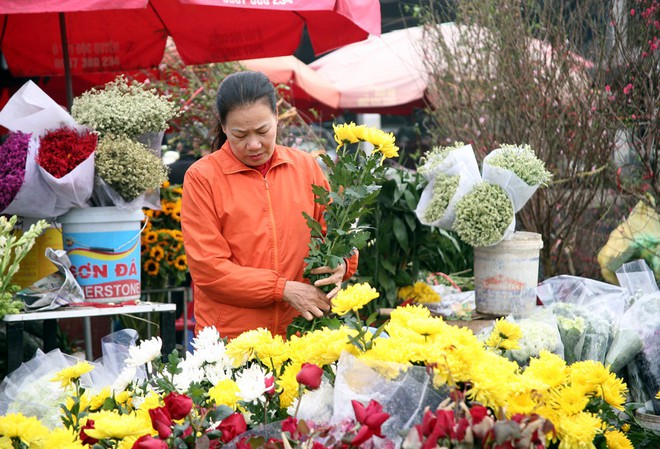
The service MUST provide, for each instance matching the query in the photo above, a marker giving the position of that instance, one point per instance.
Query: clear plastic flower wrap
(588, 313)
(403, 391)
(540, 333)
(30, 389)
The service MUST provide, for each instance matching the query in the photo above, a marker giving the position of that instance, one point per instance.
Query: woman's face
(251, 131)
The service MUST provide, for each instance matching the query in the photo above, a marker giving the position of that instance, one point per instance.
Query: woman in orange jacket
(242, 218)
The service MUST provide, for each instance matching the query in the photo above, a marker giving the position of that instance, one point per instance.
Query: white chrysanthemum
(147, 351)
(215, 373)
(125, 377)
(187, 376)
(216, 353)
(206, 338)
(252, 383)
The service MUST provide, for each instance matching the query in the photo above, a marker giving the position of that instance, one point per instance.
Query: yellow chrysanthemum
(225, 392)
(272, 351)
(570, 400)
(69, 374)
(589, 374)
(124, 398)
(243, 348)
(61, 438)
(96, 402)
(427, 326)
(27, 429)
(578, 431)
(353, 298)
(420, 292)
(505, 335)
(126, 443)
(346, 133)
(614, 391)
(109, 424)
(617, 440)
(287, 385)
(548, 368)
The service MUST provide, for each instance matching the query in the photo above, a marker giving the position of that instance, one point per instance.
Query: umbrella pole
(65, 58)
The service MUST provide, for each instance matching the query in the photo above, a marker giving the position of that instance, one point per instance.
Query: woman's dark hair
(241, 89)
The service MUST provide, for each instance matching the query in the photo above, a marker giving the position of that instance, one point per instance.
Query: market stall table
(15, 322)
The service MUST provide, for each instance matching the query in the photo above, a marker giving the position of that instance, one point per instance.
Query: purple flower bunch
(13, 157)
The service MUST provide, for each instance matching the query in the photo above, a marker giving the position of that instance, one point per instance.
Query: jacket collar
(230, 164)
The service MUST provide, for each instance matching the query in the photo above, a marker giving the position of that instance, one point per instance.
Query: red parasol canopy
(117, 35)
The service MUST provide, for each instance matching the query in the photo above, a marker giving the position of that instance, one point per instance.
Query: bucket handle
(108, 250)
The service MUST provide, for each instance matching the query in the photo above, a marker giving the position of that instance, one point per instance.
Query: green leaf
(400, 232)
(315, 226)
(219, 413)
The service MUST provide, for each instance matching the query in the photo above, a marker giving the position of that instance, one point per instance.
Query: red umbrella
(115, 35)
(389, 74)
(306, 88)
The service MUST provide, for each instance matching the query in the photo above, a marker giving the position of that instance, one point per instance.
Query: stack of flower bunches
(479, 208)
(121, 112)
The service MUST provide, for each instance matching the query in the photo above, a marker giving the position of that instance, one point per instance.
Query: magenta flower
(13, 158)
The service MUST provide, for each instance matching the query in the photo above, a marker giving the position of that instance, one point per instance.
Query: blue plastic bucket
(103, 244)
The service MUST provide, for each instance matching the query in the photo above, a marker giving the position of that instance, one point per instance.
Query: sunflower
(150, 237)
(151, 267)
(181, 263)
(157, 253)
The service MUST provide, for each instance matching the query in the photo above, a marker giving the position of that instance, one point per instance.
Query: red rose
(179, 405)
(291, 425)
(371, 419)
(86, 439)
(148, 442)
(478, 413)
(231, 426)
(310, 376)
(270, 384)
(161, 421)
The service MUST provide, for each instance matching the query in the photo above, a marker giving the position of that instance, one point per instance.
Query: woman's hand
(335, 277)
(306, 299)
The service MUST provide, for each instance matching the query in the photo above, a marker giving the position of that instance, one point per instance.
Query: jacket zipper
(276, 320)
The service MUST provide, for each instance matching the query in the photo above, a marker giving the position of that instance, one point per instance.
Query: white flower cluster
(208, 362)
(123, 108)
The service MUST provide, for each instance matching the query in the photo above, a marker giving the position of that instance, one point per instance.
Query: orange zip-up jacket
(245, 236)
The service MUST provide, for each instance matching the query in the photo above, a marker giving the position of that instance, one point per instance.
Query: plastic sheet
(587, 312)
(29, 388)
(403, 391)
(55, 290)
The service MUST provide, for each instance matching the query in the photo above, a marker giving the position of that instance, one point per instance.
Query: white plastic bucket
(506, 275)
(103, 244)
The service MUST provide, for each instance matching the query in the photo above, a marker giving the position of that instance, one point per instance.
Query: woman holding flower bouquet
(242, 219)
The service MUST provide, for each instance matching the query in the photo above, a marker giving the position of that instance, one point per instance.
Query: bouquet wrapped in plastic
(59, 164)
(587, 313)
